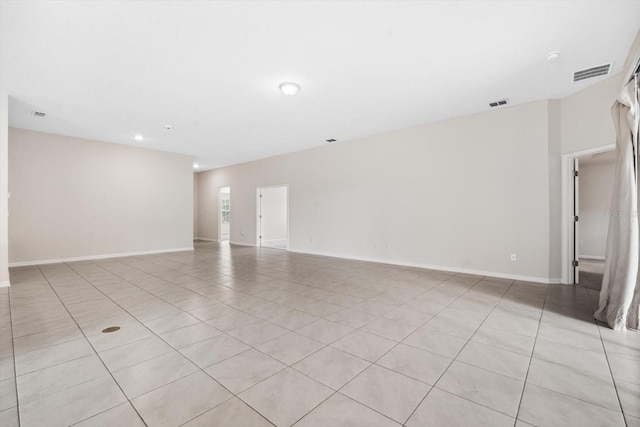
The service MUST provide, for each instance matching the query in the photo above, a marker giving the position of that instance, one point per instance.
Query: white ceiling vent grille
(499, 103)
(600, 70)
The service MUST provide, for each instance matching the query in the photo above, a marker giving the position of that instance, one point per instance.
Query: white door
(273, 221)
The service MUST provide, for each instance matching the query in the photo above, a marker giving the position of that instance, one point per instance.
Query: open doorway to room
(273, 217)
(586, 193)
(224, 214)
(594, 190)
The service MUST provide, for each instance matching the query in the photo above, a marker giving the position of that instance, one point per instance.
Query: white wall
(468, 193)
(586, 116)
(596, 186)
(73, 197)
(195, 205)
(274, 215)
(4, 189)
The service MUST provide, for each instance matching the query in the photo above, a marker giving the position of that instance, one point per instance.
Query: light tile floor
(239, 336)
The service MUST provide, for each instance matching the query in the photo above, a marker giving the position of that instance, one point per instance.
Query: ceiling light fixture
(168, 127)
(553, 56)
(195, 166)
(138, 137)
(289, 88)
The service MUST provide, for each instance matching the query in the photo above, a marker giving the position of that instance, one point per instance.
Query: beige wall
(466, 192)
(72, 197)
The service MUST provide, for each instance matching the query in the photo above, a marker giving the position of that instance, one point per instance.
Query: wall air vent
(600, 70)
(38, 113)
(499, 103)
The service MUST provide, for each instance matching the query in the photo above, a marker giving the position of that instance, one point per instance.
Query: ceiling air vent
(38, 113)
(600, 70)
(498, 103)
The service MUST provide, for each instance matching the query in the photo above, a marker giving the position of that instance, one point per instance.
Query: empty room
(319, 213)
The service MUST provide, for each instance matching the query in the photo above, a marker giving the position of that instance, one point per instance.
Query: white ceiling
(107, 70)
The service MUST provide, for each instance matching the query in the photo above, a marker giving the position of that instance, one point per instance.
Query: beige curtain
(620, 293)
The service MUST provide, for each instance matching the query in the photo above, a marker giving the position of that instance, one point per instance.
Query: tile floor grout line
(425, 322)
(453, 359)
(158, 336)
(249, 266)
(94, 349)
(201, 369)
(606, 356)
(13, 353)
(533, 349)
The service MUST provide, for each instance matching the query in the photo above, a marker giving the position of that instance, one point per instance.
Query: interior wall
(468, 192)
(4, 189)
(586, 116)
(77, 198)
(596, 187)
(195, 205)
(274, 215)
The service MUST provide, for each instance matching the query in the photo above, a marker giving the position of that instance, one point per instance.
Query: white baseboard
(273, 241)
(206, 239)
(593, 257)
(439, 268)
(5, 284)
(241, 243)
(92, 257)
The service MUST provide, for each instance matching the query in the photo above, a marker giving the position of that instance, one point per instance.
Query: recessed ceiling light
(168, 127)
(38, 113)
(195, 166)
(553, 56)
(138, 137)
(331, 141)
(289, 88)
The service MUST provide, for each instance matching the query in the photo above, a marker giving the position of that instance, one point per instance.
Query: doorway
(587, 202)
(595, 172)
(224, 214)
(273, 217)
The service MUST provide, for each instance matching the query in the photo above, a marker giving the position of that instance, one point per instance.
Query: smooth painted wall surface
(586, 116)
(73, 197)
(4, 189)
(468, 192)
(274, 215)
(596, 187)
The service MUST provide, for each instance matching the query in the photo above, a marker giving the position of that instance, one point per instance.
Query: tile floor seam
(158, 336)
(398, 343)
(94, 350)
(303, 280)
(460, 351)
(604, 348)
(201, 369)
(13, 353)
(533, 349)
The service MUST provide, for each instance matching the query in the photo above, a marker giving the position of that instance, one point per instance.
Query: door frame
(568, 236)
(259, 210)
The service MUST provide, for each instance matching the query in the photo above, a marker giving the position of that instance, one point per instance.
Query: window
(225, 211)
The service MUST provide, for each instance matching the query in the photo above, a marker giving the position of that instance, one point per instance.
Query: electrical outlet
(514, 257)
